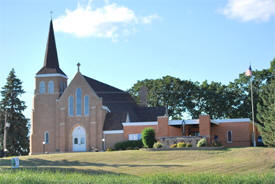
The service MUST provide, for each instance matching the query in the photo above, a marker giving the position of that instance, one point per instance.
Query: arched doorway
(79, 139)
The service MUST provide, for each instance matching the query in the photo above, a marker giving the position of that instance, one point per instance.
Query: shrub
(148, 137)
(157, 145)
(188, 145)
(201, 143)
(109, 149)
(181, 145)
(216, 143)
(173, 146)
(128, 145)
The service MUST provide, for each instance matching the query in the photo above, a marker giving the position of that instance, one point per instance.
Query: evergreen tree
(17, 133)
(266, 111)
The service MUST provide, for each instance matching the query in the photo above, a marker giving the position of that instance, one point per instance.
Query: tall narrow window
(42, 87)
(71, 106)
(86, 105)
(229, 136)
(46, 137)
(61, 87)
(50, 87)
(78, 101)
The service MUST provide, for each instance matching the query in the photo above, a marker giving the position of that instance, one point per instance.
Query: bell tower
(50, 82)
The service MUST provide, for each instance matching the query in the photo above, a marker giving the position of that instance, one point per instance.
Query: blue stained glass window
(78, 101)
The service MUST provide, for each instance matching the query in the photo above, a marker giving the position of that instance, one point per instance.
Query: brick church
(87, 114)
(76, 116)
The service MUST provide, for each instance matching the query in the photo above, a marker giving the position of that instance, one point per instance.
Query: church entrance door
(79, 139)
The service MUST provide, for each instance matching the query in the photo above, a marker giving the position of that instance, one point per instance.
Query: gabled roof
(120, 104)
(51, 64)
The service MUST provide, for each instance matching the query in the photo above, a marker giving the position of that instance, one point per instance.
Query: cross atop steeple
(78, 66)
(51, 12)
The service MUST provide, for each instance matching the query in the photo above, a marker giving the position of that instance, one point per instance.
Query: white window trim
(134, 137)
(227, 136)
(46, 132)
(113, 132)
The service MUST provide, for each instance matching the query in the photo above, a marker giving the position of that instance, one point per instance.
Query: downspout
(183, 127)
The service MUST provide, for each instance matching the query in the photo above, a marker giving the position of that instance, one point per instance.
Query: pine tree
(266, 111)
(17, 133)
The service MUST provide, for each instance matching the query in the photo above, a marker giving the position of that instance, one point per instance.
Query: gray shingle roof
(120, 103)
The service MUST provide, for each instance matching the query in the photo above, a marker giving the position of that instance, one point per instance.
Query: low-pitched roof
(120, 103)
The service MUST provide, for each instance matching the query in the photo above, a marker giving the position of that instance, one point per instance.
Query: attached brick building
(229, 132)
(87, 114)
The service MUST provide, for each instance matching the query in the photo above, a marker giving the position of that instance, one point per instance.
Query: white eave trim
(186, 122)
(106, 108)
(140, 123)
(52, 75)
(106, 132)
(236, 120)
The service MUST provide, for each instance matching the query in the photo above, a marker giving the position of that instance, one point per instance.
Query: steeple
(51, 60)
(51, 64)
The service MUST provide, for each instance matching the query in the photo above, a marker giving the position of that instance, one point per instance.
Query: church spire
(51, 60)
(51, 64)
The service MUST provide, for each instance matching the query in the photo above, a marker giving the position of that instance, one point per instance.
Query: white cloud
(109, 21)
(249, 10)
(149, 19)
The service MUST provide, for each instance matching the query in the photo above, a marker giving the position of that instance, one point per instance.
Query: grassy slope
(230, 161)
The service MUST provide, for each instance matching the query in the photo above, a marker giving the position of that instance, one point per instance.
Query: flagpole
(252, 107)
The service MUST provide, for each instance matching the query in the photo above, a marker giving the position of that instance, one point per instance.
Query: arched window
(78, 101)
(229, 136)
(42, 87)
(86, 105)
(61, 87)
(71, 106)
(50, 87)
(46, 137)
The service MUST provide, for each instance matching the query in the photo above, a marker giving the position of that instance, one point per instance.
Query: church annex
(80, 116)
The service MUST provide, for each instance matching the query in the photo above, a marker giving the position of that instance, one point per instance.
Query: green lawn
(138, 166)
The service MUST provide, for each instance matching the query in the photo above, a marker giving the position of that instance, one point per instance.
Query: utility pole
(252, 109)
(5, 134)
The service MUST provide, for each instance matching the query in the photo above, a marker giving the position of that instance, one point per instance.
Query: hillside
(229, 161)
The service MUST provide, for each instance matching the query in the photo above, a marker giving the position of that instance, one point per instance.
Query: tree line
(214, 98)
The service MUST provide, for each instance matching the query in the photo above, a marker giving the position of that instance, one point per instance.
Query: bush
(109, 149)
(173, 146)
(157, 145)
(188, 145)
(148, 137)
(181, 145)
(216, 143)
(201, 143)
(128, 145)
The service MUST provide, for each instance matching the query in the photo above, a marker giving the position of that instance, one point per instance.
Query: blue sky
(119, 42)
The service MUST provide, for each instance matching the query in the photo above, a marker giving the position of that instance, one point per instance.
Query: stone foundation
(168, 141)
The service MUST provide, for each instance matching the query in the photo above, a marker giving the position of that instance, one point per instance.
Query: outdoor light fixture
(43, 146)
(8, 125)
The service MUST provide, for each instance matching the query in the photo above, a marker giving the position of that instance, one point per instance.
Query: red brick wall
(162, 128)
(174, 131)
(204, 126)
(241, 133)
(136, 130)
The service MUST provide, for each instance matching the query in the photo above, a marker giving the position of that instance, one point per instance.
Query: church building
(83, 115)
(88, 115)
